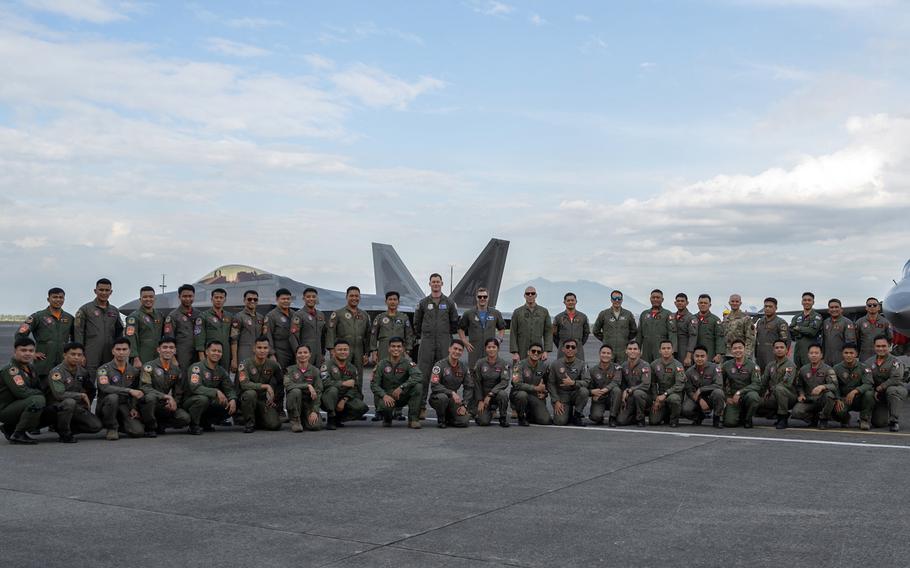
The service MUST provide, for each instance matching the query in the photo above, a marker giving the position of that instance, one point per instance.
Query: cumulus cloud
(94, 11)
(234, 48)
(492, 7)
(376, 88)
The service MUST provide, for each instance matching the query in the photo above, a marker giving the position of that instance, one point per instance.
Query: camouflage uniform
(738, 325)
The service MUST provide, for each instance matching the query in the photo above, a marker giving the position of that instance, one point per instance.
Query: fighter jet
(389, 271)
(896, 305)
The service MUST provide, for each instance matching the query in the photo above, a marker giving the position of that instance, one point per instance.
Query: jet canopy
(234, 274)
(906, 271)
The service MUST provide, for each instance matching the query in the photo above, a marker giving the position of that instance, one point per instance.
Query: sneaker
(8, 430)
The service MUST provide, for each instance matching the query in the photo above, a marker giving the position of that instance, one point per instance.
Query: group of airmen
(200, 369)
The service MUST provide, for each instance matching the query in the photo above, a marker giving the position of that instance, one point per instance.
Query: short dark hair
(682, 295)
(835, 301)
(872, 298)
(341, 342)
(211, 342)
(73, 345)
(396, 339)
(810, 294)
(535, 344)
(849, 346)
(55, 290)
(103, 281)
(186, 287)
(282, 292)
(704, 297)
(657, 291)
(779, 340)
(218, 291)
(120, 341)
(146, 289)
(735, 341)
(489, 341)
(391, 293)
(662, 341)
(700, 348)
(606, 346)
(770, 299)
(350, 288)
(881, 336)
(436, 275)
(261, 339)
(616, 292)
(457, 342)
(815, 345)
(303, 345)
(248, 292)
(308, 290)
(23, 342)
(167, 339)
(633, 342)
(567, 294)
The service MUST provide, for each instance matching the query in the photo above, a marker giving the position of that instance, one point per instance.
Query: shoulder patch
(56, 376)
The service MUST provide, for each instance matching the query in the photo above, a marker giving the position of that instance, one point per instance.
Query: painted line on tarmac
(734, 437)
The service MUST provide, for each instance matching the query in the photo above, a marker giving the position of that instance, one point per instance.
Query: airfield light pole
(163, 286)
(451, 277)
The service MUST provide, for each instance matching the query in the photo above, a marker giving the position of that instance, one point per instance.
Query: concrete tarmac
(367, 496)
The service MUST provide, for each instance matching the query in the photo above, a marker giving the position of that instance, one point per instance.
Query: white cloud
(537, 20)
(254, 23)
(363, 31)
(376, 88)
(647, 65)
(492, 7)
(317, 61)
(234, 48)
(94, 11)
(583, 18)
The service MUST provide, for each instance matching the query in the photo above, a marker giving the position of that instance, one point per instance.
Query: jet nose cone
(130, 307)
(896, 306)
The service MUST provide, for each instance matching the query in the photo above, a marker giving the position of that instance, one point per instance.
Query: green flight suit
(435, 320)
(254, 407)
(403, 374)
(96, 328)
(636, 380)
(850, 379)
(446, 380)
(609, 378)
(683, 329)
(478, 330)
(767, 331)
(667, 378)
(884, 391)
(156, 382)
(201, 397)
(333, 374)
(834, 335)
(114, 399)
(708, 331)
(278, 330)
(867, 330)
(529, 326)
(574, 397)
(184, 326)
(144, 328)
(21, 401)
(655, 326)
(565, 328)
(706, 383)
(297, 393)
(385, 327)
(354, 327)
(215, 326)
(65, 409)
(308, 328)
(746, 380)
(51, 332)
(815, 407)
(616, 330)
(489, 379)
(805, 329)
(524, 397)
(246, 327)
(777, 394)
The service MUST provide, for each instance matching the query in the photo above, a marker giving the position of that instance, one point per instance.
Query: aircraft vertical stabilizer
(391, 273)
(486, 272)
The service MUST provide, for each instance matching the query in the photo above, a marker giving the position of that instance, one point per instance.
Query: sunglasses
(616, 298)
(536, 351)
(252, 299)
(482, 297)
(569, 347)
(530, 293)
(871, 305)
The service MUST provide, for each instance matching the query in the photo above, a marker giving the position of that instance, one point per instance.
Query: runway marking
(734, 437)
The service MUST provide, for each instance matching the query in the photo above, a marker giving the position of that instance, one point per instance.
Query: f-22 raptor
(389, 271)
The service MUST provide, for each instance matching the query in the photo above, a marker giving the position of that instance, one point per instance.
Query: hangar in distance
(389, 271)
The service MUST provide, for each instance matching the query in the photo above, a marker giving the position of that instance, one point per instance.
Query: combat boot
(296, 426)
(894, 427)
(20, 437)
(782, 422)
(864, 425)
(747, 423)
(330, 422)
(112, 434)
(674, 423)
(823, 424)
(414, 424)
(66, 438)
(523, 420)
(716, 422)
(504, 421)
(386, 419)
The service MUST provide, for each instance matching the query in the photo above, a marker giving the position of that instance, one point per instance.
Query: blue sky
(752, 146)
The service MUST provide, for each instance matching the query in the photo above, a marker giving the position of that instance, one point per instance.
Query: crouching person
(303, 387)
